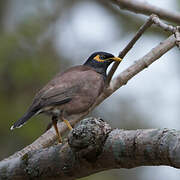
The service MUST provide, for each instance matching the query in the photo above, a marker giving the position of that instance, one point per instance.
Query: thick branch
(92, 148)
(143, 7)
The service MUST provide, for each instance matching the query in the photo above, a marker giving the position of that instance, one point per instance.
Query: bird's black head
(100, 61)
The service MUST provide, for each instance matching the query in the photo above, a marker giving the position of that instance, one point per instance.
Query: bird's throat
(99, 70)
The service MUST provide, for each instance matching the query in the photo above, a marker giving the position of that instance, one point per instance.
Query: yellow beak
(116, 59)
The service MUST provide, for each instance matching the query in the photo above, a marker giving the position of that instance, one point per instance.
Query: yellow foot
(67, 123)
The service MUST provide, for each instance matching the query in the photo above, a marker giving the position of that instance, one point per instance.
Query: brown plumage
(71, 92)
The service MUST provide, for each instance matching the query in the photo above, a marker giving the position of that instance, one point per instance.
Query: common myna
(71, 92)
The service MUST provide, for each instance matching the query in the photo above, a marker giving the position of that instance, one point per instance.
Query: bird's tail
(23, 120)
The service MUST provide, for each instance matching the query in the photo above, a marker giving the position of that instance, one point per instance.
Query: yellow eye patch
(97, 58)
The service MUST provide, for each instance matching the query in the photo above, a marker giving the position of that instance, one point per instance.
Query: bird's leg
(66, 121)
(54, 122)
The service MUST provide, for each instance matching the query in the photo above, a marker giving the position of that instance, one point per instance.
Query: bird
(70, 92)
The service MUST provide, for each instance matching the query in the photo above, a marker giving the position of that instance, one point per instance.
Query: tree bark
(93, 147)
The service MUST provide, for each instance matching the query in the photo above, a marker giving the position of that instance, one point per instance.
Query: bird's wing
(53, 96)
(57, 96)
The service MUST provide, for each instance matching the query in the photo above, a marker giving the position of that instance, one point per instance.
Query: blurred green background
(40, 38)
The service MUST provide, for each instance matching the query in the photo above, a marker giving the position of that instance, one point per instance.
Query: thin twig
(122, 54)
(177, 35)
(163, 25)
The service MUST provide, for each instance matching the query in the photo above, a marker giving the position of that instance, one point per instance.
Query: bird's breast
(87, 93)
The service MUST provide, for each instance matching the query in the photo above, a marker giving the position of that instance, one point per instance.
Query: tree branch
(177, 35)
(153, 19)
(94, 147)
(148, 9)
(141, 64)
(123, 53)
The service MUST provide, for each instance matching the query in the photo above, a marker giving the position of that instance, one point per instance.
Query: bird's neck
(102, 72)
(99, 70)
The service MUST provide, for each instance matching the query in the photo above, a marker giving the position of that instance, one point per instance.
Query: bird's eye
(102, 57)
